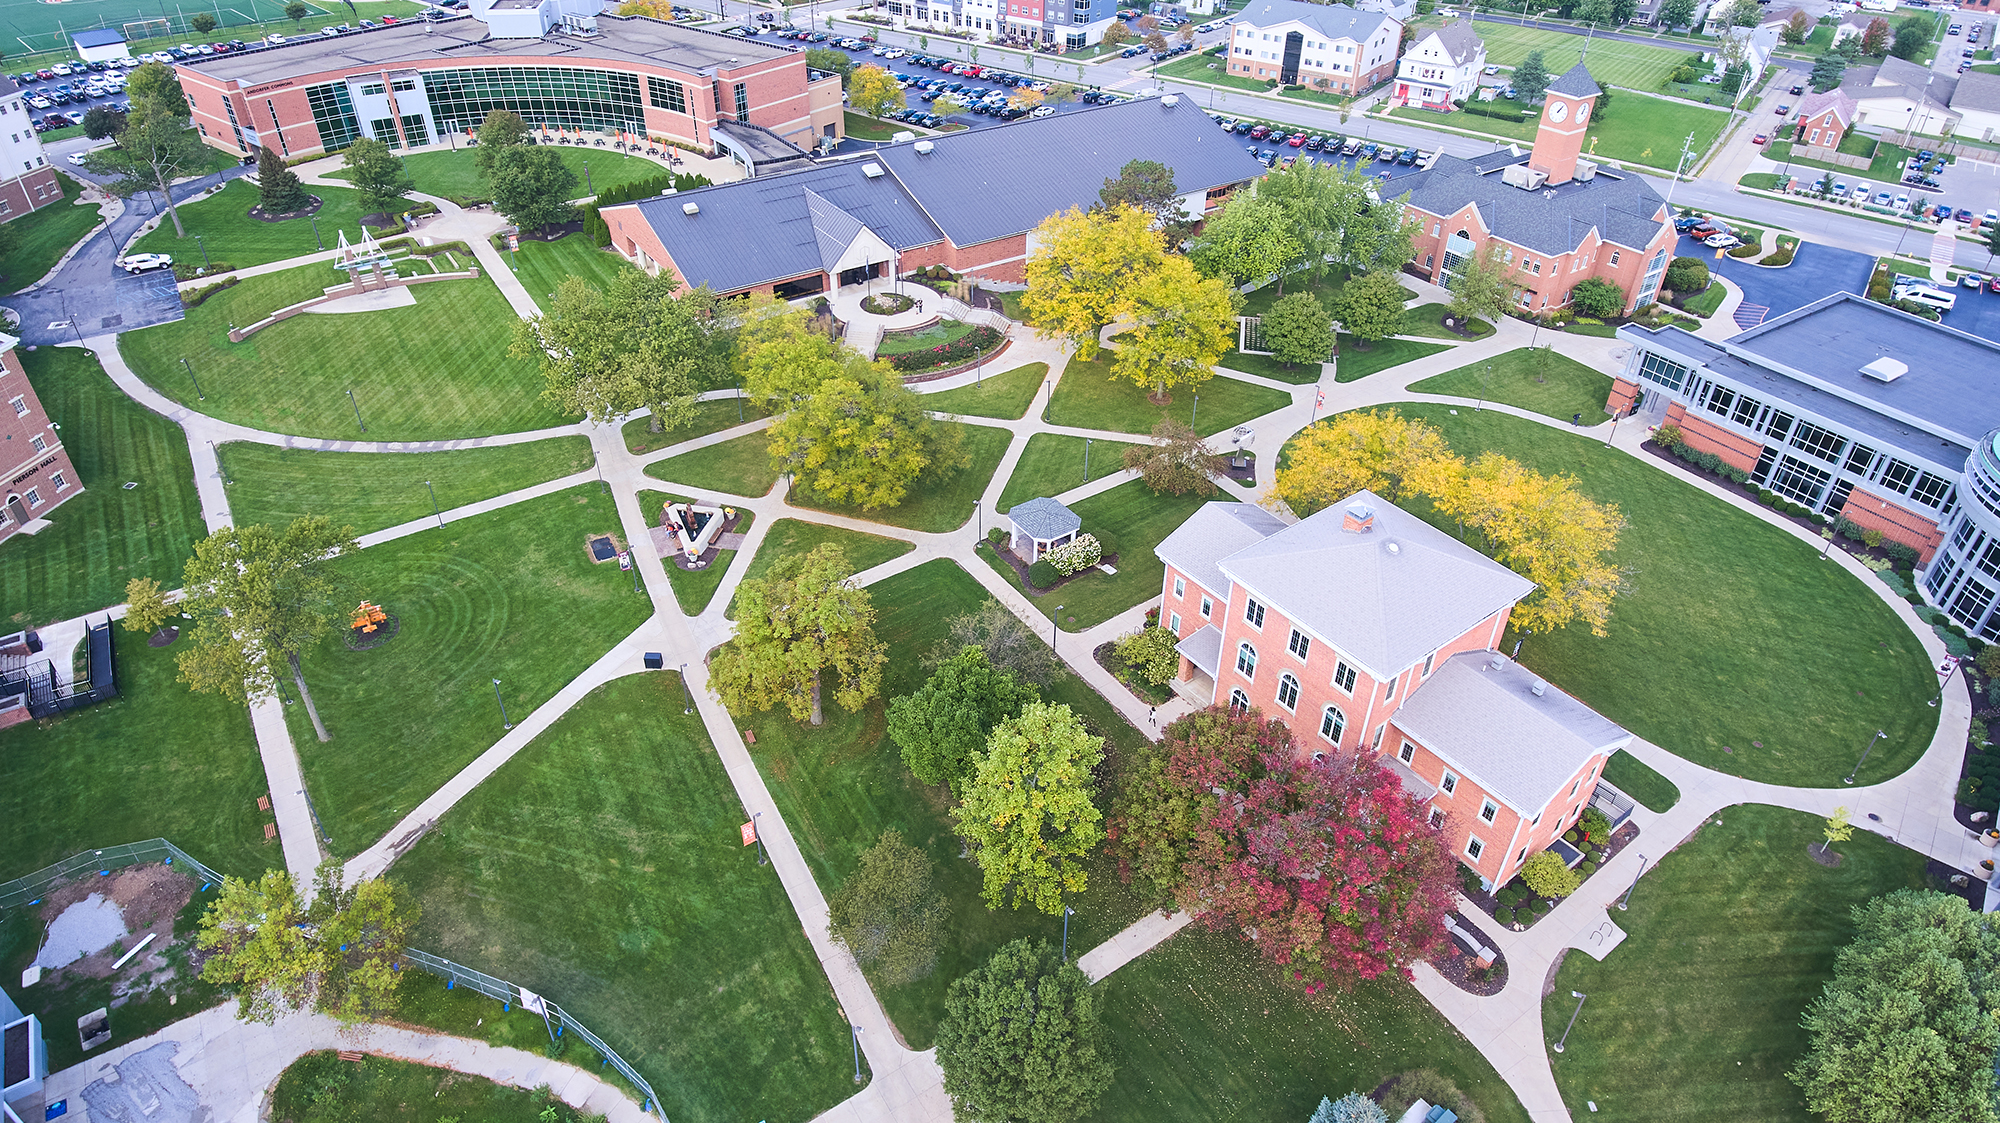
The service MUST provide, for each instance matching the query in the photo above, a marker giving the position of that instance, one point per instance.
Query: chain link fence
(23, 890)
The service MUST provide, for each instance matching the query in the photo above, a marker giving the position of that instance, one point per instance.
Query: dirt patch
(151, 897)
(163, 637)
(1824, 855)
(1549, 980)
(311, 208)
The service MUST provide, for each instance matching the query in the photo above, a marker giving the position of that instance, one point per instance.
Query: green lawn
(1639, 780)
(1729, 939)
(709, 417)
(863, 127)
(1355, 364)
(454, 175)
(230, 234)
(322, 1088)
(1705, 302)
(796, 536)
(740, 466)
(1532, 378)
(1053, 463)
(841, 785)
(46, 235)
(602, 868)
(1006, 396)
(1427, 321)
(1719, 611)
(933, 508)
(109, 534)
(1258, 301)
(156, 762)
(511, 595)
(1885, 161)
(1632, 66)
(937, 335)
(1089, 397)
(1204, 67)
(437, 370)
(1636, 129)
(1129, 520)
(1203, 1029)
(543, 265)
(1266, 366)
(373, 490)
(693, 588)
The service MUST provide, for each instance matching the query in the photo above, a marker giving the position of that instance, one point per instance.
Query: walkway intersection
(1913, 808)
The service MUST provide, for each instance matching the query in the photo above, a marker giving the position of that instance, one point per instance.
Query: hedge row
(593, 223)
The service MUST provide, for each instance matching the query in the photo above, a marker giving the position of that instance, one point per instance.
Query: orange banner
(749, 832)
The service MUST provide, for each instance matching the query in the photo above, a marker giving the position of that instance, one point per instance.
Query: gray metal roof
(1215, 531)
(1004, 180)
(97, 37)
(763, 146)
(1044, 519)
(1387, 596)
(1899, 78)
(1490, 727)
(765, 229)
(1203, 649)
(1621, 207)
(1335, 21)
(1575, 82)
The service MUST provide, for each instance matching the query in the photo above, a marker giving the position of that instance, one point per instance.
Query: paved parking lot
(1821, 270)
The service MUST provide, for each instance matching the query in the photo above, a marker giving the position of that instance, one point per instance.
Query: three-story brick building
(39, 477)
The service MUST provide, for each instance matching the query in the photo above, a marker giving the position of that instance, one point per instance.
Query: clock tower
(1566, 112)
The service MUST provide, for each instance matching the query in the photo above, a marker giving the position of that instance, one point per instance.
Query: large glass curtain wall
(551, 96)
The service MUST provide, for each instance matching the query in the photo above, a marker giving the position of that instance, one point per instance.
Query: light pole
(316, 238)
(686, 690)
(1482, 388)
(439, 511)
(1047, 398)
(1086, 460)
(1579, 996)
(1869, 748)
(1052, 625)
(357, 411)
(598, 463)
(857, 1053)
(1067, 913)
(978, 520)
(204, 252)
(504, 723)
(1950, 667)
(587, 188)
(757, 833)
(1196, 412)
(1687, 150)
(199, 396)
(1627, 898)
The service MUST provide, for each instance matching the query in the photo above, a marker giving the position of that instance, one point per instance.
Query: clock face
(1558, 111)
(1582, 112)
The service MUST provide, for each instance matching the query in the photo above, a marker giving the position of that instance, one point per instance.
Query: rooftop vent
(1585, 171)
(1523, 177)
(1171, 100)
(1358, 518)
(925, 147)
(1395, 548)
(872, 170)
(690, 208)
(1496, 662)
(1886, 369)
(1540, 688)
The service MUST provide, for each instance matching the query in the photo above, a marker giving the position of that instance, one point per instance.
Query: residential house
(1329, 47)
(1902, 96)
(1823, 119)
(1976, 101)
(1441, 67)
(1366, 629)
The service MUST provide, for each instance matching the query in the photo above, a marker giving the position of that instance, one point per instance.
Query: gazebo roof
(1044, 519)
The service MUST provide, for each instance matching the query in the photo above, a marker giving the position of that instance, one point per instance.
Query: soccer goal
(140, 30)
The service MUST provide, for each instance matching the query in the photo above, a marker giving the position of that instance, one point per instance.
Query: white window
(1253, 613)
(1408, 752)
(1288, 692)
(37, 443)
(1437, 817)
(1174, 623)
(1180, 587)
(20, 405)
(59, 481)
(1246, 661)
(1332, 723)
(1343, 677)
(1299, 644)
(1449, 783)
(1614, 257)
(1488, 810)
(1207, 606)
(1238, 701)
(1474, 848)
(34, 498)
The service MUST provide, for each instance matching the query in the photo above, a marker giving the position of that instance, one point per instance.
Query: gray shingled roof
(1388, 596)
(1900, 78)
(1215, 531)
(1575, 82)
(1044, 518)
(1459, 40)
(1816, 104)
(1491, 728)
(1203, 648)
(1004, 180)
(1335, 21)
(1977, 91)
(1622, 207)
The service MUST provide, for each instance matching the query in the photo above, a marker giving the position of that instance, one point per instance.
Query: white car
(1722, 241)
(1972, 281)
(143, 262)
(894, 52)
(1042, 111)
(77, 158)
(274, 39)
(329, 32)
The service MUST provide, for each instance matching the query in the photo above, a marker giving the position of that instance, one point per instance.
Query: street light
(316, 237)
(1052, 625)
(857, 1053)
(1950, 667)
(757, 833)
(1067, 913)
(504, 723)
(1579, 996)
(197, 382)
(978, 520)
(204, 252)
(1196, 412)
(689, 708)
(1627, 898)
(1482, 388)
(434, 502)
(1879, 734)
(1086, 460)
(357, 410)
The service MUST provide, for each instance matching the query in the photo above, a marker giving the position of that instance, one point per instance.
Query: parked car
(1298, 140)
(1759, 139)
(1407, 156)
(1798, 90)
(143, 262)
(1721, 241)
(1259, 132)
(1973, 281)
(1883, 198)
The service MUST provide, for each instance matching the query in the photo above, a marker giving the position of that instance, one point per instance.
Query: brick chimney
(1358, 518)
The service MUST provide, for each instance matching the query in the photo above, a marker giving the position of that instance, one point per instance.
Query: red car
(1298, 140)
(1260, 132)
(1759, 139)
(388, 19)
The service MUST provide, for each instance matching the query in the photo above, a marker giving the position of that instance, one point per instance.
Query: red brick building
(1824, 119)
(39, 477)
(1366, 629)
(1557, 216)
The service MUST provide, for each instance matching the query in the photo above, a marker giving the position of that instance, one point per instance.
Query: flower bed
(965, 349)
(887, 304)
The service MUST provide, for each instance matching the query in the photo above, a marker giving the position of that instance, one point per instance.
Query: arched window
(1332, 724)
(1238, 701)
(1288, 692)
(1246, 660)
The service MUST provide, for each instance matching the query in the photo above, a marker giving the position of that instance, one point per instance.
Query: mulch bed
(1021, 570)
(311, 208)
(1973, 891)
(1620, 839)
(552, 232)
(358, 640)
(1106, 655)
(1749, 492)
(163, 636)
(1463, 971)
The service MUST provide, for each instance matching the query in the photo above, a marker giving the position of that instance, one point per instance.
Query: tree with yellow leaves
(1082, 268)
(1377, 450)
(1181, 326)
(1545, 529)
(874, 91)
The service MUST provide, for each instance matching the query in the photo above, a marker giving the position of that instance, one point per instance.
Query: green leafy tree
(1837, 829)
(889, 913)
(1177, 462)
(1530, 78)
(1027, 811)
(1687, 274)
(502, 129)
(146, 606)
(532, 186)
(1082, 269)
(279, 190)
(1010, 645)
(154, 87)
(378, 174)
(203, 24)
(801, 621)
(831, 61)
(1247, 240)
(1798, 26)
(1677, 13)
(1298, 329)
(1150, 652)
(636, 345)
(157, 145)
(1992, 242)
(1182, 325)
(259, 598)
(1905, 1032)
(336, 955)
(1148, 185)
(1483, 287)
(103, 121)
(864, 438)
(1595, 296)
(296, 11)
(1022, 1040)
(1913, 37)
(873, 91)
(944, 725)
(1547, 875)
(1371, 306)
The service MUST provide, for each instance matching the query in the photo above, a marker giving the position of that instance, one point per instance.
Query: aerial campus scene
(956, 559)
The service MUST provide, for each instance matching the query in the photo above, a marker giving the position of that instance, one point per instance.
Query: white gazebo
(1040, 525)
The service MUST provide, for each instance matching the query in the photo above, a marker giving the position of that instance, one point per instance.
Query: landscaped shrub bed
(1516, 904)
(194, 297)
(964, 349)
(887, 304)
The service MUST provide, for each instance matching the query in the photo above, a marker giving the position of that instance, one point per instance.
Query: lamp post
(504, 723)
(1870, 747)
(739, 399)
(1086, 460)
(197, 382)
(1579, 996)
(587, 188)
(205, 264)
(316, 238)
(978, 520)
(757, 833)
(1482, 388)
(1053, 620)
(1067, 913)
(357, 411)
(1950, 667)
(857, 1052)
(435, 509)
(1050, 388)
(1627, 898)
(1196, 412)
(686, 690)
(597, 462)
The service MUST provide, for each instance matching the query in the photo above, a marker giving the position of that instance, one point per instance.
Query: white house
(1754, 45)
(1901, 95)
(1329, 47)
(1440, 68)
(1977, 103)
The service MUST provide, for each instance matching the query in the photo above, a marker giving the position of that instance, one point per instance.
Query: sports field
(1612, 63)
(31, 27)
